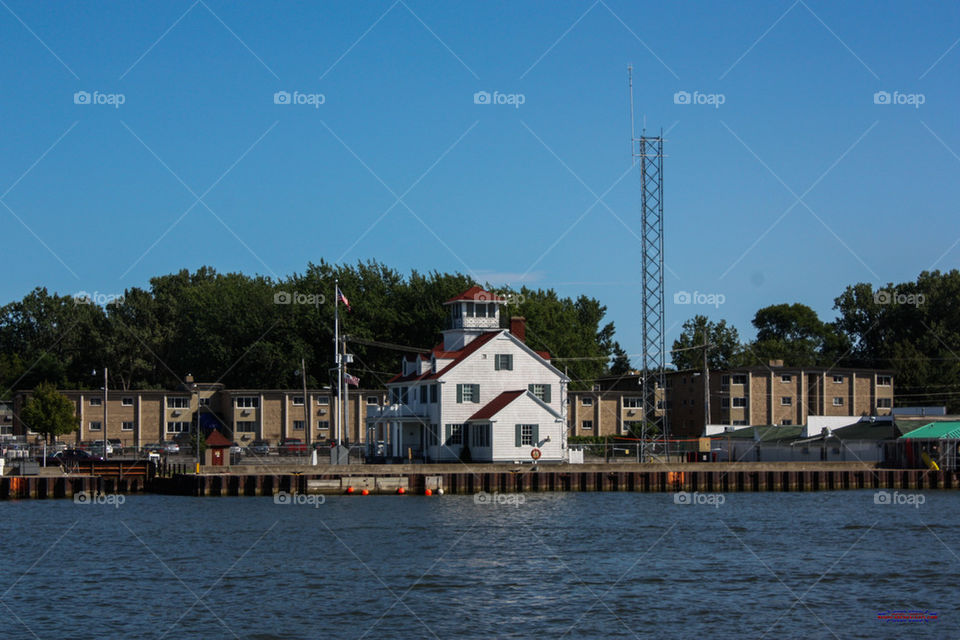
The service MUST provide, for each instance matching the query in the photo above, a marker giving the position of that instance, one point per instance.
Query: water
(602, 565)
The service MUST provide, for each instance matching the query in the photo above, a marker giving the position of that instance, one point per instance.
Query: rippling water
(602, 565)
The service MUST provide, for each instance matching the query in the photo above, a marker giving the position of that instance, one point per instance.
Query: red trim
(476, 293)
(494, 407)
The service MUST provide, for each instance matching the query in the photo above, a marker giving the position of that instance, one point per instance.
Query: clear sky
(787, 176)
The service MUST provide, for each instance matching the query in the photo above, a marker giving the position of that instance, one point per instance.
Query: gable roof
(494, 407)
(478, 294)
(458, 357)
(936, 430)
(216, 439)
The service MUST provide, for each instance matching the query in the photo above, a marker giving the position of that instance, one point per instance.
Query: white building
(482, 389)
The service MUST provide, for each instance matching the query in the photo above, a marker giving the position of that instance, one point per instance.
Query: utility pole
(105, 392)
(307, 429)
(706, 388)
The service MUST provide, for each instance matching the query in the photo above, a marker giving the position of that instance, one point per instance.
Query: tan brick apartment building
(758, 395)
(137, 418)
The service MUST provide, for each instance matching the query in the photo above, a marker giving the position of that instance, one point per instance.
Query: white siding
(525, 410)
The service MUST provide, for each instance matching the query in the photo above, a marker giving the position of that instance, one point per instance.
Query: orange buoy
(428, 492)
(349, 489)
(401, 490)
(364, 492)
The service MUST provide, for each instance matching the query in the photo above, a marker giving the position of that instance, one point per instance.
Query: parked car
(235, 449)
(117, 445)
(292, 446)
(171, 447)
(153, 447)
(259, 447)
(97, 448)
(68, 457)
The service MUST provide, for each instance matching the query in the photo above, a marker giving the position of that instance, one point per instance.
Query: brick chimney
(518, 327)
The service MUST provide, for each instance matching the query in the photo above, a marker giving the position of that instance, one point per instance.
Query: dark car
(69, 457)
(292, 446)
(259, 447)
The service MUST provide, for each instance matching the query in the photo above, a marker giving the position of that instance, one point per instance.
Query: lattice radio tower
(647, 151)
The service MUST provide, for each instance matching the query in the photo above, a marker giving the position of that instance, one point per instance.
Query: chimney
(776, 363)
(518, 327)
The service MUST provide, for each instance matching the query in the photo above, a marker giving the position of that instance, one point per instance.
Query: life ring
(536, 453)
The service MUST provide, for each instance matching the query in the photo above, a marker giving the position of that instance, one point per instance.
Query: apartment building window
(659, 404)
(480, 435)
(786, 377)
(127, 402)
(323, 399)
(587, 402)
(739, 403)
(433, 394)
(884, 403)
(96, 402)
(633, 403)
(178, 427)
(454, 434)
(884, 381)
(838, 379)
(786, 401)
(373, 400)
(587, 425)
(724, 381)
(468, 393)
(739, 423)
(248, 402)
(323, 425)
(204, 402)
(739, 378)
(786, 423)
(127, 425)
(838, 401)
(724, 403)
(298, 425)
(526, 434)
(684, 402)
(178, 402)
(503, 362)
(95, 426)
(245, 426)
(298, 401)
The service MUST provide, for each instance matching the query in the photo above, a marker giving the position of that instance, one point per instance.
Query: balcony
(471, 322)
(397, 411)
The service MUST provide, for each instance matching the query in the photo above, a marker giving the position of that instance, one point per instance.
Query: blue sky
(798, 184)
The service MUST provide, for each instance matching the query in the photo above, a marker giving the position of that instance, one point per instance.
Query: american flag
(354, 380)
(342, 298)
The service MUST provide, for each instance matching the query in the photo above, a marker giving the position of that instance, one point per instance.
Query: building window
(739, 403)
(503, 362)
(95, 426)
(659, 404)
(454, 434)
(96, 402)
(178, 427)
(884, 403)
(205, 402)
(178, 402)
(838, 402)
(323, 399)
(786, 377)
(838, 379)
(127, 425)
(724, 380)
(298, 401)
(433, 438)
(587, 425)
(724, 403)
(884, 381)
(480, 435)
(298, 425)
(245, 426)
(786, 401)
(433, 394)
(739, 378)
(526, 434)
(323, 426)
(468, 393)
(248, 402)
(786, 423)
(127, 402)
(633, 403)
(739, 423)
(373, 400)
(587, 402)
(541, 391)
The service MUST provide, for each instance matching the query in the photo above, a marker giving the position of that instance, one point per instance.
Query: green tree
(795, 334)
(49, 412)
(723, 338)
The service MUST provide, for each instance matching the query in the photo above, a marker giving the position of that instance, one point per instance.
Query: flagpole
(337, 358)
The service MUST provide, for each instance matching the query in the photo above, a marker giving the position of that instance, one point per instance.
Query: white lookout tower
(471, 314)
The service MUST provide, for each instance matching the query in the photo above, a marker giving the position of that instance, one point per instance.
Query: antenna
(633, 134)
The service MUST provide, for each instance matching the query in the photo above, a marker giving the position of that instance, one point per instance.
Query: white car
(171, 447)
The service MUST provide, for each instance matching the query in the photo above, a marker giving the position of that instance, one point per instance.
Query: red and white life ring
(536, 453)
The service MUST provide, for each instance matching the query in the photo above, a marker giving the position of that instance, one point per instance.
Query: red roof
(493, 407)
(477, 294)
(216, 439)
(458, 357)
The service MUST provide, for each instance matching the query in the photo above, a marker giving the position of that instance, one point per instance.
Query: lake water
(576, 565)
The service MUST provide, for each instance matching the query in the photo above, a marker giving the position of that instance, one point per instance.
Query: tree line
(912, 328)
(252, 331)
